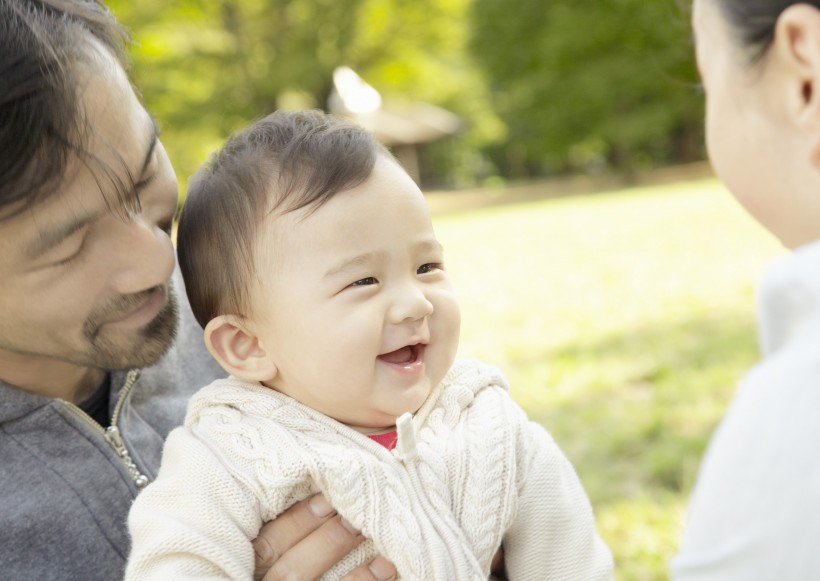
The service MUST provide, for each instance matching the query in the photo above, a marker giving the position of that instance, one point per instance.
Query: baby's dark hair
(754, 21)
(284, 162)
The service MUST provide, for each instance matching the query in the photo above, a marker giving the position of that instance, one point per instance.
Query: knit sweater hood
(438, 505)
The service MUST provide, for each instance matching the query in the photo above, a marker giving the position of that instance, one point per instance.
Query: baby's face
(354, 305)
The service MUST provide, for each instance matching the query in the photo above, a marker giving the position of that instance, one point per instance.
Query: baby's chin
(385, 420)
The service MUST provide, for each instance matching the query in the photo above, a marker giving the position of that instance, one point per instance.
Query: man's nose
(143, 255)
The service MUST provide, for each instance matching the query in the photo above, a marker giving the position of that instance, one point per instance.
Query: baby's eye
(429, 267)
(365, 281)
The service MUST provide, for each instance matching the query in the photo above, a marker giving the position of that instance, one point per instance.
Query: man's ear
(797, 45)
(235, 346)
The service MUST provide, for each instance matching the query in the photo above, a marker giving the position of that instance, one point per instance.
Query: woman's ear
(797, 45)
(236, 347)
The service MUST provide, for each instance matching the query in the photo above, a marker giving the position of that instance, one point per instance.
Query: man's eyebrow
(52, 237)
(48, 239)
(153, 140)
(131, 195)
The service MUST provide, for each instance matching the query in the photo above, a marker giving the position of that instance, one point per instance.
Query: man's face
(83, 280)
(353, 302)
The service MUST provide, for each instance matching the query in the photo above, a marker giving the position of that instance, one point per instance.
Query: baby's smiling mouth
(405, 355)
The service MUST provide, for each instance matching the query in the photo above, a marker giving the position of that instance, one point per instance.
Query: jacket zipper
(111, 434)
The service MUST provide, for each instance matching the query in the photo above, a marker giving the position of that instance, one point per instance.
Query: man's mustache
(116, 309)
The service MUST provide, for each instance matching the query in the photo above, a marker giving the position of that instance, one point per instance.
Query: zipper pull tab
(112, 435)
(406, 432)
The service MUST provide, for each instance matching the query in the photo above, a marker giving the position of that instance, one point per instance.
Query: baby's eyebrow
(428, 245)
(353, 262)
(431, 245)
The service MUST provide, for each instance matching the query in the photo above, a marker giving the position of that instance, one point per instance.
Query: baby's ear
(235, 346)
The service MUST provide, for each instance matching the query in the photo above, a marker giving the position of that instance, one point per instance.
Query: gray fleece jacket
(65, 490)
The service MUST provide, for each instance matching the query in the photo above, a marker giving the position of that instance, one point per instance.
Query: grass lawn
(623, 321)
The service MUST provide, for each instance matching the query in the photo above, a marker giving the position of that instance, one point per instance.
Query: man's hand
(306, 540)
(497, 571)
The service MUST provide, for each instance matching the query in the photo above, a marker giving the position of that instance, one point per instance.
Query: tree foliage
(543, 87)
(208, 68)
(581, 83)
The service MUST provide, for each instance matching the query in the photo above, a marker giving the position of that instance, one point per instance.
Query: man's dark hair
(41, 119)
(284, 162)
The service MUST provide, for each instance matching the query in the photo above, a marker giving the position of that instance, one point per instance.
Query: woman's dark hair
(41, 120)
(754, 21)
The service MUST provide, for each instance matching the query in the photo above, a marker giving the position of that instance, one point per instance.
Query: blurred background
(538, 88)
(560, 145)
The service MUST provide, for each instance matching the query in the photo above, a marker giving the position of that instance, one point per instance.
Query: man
(98, 350)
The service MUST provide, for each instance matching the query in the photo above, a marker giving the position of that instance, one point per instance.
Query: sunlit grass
(623, 321)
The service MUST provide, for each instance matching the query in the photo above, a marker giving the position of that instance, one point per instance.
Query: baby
(310, 260)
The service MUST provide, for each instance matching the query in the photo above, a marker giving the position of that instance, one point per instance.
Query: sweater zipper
(111, 434)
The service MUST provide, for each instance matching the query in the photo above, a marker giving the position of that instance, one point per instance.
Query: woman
(755, 510)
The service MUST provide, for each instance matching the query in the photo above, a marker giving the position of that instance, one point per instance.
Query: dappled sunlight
(623, 322)
(647, 529)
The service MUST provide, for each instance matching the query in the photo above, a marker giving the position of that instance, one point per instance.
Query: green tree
(586, 83)
(208, 68)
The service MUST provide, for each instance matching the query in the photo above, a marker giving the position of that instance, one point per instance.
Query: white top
(469, 472)
(755, 509)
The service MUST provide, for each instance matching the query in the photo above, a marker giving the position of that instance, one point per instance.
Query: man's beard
(143, 347)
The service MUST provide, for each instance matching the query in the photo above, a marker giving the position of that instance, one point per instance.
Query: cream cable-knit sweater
(469, 472)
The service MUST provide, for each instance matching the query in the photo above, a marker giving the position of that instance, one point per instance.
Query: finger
(497, 571)
(315, 554)
(498, 559)
(289, 528)
(379, 569)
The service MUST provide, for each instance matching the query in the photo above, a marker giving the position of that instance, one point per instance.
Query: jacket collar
(789, 300)
(16, 403)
